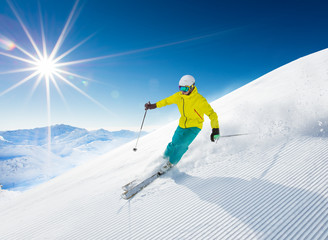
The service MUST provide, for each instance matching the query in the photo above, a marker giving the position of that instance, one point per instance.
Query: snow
(2, 139)
(269, 184)
(25, 160)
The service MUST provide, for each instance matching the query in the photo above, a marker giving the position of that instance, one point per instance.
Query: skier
(192, 107)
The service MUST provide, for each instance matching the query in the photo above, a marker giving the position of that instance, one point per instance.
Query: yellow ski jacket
(192, 108)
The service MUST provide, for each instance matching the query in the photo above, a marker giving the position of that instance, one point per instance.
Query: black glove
(215, 134)
(150, 106)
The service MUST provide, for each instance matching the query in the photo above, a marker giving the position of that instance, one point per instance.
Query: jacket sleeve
(208, 110)
(168, 101)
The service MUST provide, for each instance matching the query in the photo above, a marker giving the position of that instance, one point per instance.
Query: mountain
(269, 184)
(25, 159)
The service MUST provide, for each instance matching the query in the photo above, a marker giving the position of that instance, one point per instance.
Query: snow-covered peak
(25, 161)
(2, 139)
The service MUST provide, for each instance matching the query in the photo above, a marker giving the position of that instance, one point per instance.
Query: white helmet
(187, 80)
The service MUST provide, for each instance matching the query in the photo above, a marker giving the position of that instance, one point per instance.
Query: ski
(136, 189)
(130, 185)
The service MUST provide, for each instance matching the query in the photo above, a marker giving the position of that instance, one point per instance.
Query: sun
(41, 66)
(46, 67)
(44, 64)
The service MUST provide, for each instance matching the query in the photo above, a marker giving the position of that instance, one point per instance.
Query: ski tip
(128, 186)
(124, 196)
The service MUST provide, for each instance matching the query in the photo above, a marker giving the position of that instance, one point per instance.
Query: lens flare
(115, 94)
(6, 44)
(85, 83)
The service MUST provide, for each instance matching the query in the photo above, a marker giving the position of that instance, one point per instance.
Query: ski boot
(167, 166)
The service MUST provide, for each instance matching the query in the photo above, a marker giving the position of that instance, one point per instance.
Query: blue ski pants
(181, 140)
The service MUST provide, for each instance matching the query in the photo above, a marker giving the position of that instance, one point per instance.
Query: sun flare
(46, 67)
(43, 66)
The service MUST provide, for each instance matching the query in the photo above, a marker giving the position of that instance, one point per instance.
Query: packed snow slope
(270, 184)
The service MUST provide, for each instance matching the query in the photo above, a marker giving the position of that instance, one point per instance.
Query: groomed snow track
(277, 202)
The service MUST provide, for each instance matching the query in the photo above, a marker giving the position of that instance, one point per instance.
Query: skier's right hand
(150, 106)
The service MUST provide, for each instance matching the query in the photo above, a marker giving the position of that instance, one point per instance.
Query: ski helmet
(187, 80)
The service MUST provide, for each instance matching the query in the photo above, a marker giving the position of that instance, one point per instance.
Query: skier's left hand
(215, 134)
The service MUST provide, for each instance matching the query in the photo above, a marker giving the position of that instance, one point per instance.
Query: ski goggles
(184, 88)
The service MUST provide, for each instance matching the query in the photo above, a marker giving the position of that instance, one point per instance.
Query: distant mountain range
(25, 159)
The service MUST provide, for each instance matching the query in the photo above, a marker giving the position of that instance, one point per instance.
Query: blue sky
(142, 48)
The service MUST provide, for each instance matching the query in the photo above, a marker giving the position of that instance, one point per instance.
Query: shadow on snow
(267, 208)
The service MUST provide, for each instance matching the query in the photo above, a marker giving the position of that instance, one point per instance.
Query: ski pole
(235, 135)
(135, 148)
(232, 135)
